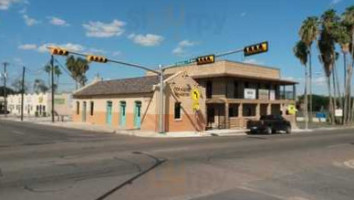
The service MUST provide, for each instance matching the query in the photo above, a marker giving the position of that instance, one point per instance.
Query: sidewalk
(151, 134)
(138, 133)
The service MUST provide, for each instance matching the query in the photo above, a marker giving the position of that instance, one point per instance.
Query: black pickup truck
(269, 124)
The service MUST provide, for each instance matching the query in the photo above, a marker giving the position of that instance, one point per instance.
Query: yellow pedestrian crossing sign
(292, 109)
(195, 97)
(195, 94)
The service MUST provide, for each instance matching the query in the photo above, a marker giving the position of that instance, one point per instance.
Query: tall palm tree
(300, 51)
(326, 45)
(39, 86)
(348, 22)
(308, 32)
(78, 68)
(342, 37)
(48, 69)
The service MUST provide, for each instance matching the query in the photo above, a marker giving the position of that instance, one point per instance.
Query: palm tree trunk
(330, 101)
(334, 89)
(349, 99)
(306, 114)
(338, 88)
(350, 78)
(310, 85)
(345, 99)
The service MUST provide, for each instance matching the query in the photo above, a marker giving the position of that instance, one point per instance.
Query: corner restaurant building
(230, 94)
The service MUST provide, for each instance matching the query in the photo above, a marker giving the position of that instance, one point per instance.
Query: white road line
(18, 132)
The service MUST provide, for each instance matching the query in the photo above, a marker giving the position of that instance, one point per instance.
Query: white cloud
(69, 46)
(253, 61)
(243, 14)
(43, 48)
(334, 2)
(30, 21)
(116, 53)
(28, 47)
(290, 78)
(97, 51)
(180, 49)
(5, 4)
(58, 21)
(320, 81)
(146, 40)
(104, 30)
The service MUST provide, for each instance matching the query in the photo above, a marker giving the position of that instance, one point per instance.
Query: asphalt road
(42, 162)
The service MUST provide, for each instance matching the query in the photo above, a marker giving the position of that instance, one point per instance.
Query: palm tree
(342, 37)
(300, 51)
(48, 70)
(348, 22)
(326, 45)
(308, 33)
(39, 86)
(78, 68)
(57, 73)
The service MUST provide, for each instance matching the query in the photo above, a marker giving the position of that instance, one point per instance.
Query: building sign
(182, 91)
(59, 101)
(338, 113)
(250, 93)
(263, 94)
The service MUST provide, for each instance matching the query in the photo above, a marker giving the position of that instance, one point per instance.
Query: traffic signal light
(255, 49)
(100, 59)
(205, 59)
(58, 51)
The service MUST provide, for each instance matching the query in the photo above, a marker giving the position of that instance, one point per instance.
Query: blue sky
(155, 32)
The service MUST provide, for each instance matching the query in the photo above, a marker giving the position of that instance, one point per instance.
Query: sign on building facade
(250, 93)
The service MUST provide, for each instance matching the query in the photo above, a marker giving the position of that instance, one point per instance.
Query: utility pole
(52, 68)
(22, 90)
(5, 89)
(161, 114)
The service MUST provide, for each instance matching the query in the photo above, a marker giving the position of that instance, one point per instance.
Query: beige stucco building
(229, 94)
(39, 104)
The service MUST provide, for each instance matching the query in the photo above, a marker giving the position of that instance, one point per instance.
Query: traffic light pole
(162, 105)
(5, 89)
(22, 91)
(52, 73)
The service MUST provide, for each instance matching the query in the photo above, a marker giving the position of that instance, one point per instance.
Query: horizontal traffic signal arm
(205, 59)
(58, 51)
(93, 58)
(256, 48)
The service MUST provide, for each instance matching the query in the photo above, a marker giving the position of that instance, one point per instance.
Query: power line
(65, 70)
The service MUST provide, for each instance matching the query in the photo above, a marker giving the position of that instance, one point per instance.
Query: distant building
(230, 94)
(40, 104)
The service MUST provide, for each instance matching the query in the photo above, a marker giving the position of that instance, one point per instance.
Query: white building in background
(40, 104)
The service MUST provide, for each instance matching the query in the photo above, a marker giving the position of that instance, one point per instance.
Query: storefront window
(209, 89)
(77, 107)
(91, 107)
(177, 110)
(249, 110)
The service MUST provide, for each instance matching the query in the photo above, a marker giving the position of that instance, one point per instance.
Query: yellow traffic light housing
(58, 51)
(256, 49)
(93, 58)
(205, 59)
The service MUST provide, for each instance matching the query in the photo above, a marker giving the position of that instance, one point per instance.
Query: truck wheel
(288, 130)
(268, 130)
